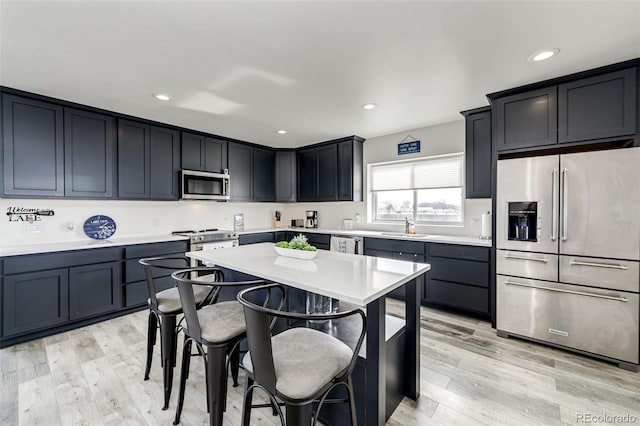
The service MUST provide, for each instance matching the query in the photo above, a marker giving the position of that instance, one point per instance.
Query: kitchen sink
(402, 234)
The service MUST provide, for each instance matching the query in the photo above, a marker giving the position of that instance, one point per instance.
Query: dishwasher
(345, 244)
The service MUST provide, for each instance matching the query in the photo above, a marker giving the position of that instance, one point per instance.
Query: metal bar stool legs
(152, 331)
(169, 343)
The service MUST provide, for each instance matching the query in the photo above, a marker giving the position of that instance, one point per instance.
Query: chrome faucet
(406, 225)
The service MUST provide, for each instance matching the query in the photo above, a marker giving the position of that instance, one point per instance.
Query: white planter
(296, 254)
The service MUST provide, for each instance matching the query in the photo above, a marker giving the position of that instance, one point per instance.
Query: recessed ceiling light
(282, 132)
(543, 54)
(162, 97)
(369, 106)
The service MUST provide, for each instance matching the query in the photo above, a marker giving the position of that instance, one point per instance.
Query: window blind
(425, 173)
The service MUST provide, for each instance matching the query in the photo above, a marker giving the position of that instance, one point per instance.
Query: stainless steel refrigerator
(568, 251)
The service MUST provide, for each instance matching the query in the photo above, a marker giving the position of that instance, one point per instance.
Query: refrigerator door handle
(554, 204)
(599, 265)
(559, 290)
(536, 259)
(565, 206)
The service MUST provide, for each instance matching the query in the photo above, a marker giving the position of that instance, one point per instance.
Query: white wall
(133, 218)
(136, 218)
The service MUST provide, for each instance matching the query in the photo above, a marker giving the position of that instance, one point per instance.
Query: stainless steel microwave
(195, 185)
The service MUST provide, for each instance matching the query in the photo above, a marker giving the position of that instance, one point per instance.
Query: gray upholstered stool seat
(221, 322)
(305, 360)
(169, 299)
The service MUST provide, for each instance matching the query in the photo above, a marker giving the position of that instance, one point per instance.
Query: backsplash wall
(133, 218)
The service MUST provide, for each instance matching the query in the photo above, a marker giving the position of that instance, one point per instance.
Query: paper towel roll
(485, 226)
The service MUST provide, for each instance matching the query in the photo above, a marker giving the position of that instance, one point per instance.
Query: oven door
(215, 245)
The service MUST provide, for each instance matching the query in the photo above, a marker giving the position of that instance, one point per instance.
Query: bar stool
(299, 365)
(164, 308)
(216, 330)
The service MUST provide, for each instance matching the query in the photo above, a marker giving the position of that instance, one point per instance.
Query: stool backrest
(151, 264)
(209, 276)
(260, 320)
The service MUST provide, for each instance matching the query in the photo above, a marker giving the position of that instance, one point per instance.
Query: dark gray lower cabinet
(262, 237)
(135, 285)
(34, 301)
(50, 292)
(411, 251)
(94, 289)
(459, 277)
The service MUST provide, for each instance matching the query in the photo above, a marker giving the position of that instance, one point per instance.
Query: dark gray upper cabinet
(327, 170)
(307, 175)
(598, 107)
(240, 172)
(133, 160)
(263, 174)
(33, 147)
(203, 153)
(215, 155)
(478, 152)
(527, 119)
(285, 179)
(192, 151)
(164, 163)
(89, 147)
(350, 170)
(148, 161)
(331, 171)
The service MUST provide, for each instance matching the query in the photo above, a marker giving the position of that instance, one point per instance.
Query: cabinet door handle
(599, 265)
(535, 259)
(559, 290)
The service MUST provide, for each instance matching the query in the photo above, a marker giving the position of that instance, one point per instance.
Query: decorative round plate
(99, 227)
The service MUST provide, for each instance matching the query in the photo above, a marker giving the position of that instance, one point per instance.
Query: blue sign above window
(408, 147)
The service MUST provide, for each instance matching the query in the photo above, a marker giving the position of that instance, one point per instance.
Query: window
(426, 190)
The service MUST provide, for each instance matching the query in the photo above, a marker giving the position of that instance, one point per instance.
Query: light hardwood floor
(93, 376)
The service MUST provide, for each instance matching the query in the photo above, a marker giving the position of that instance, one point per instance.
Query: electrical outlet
(32, 229)
(357, 217)
(475, 223)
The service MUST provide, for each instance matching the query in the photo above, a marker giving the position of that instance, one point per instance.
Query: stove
(203, 236)
(209, 239)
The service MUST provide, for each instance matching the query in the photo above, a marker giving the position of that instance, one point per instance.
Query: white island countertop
(353, 278)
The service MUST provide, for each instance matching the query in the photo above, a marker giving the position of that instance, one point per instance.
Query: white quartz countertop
(14, 250)
(353, 278)
(430, 238)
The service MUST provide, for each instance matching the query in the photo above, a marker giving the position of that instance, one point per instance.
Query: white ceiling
(246, 69)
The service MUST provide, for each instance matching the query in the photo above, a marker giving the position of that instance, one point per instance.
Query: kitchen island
(360, 280)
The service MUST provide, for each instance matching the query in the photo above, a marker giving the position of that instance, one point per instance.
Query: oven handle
(579, 293)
